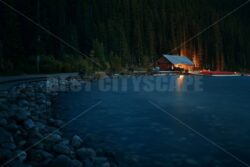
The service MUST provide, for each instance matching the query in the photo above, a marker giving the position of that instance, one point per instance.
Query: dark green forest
(118, 34)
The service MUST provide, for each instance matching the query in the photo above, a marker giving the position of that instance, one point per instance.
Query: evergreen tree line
(122, 33)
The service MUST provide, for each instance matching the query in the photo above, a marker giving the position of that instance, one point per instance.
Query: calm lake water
(206, 125)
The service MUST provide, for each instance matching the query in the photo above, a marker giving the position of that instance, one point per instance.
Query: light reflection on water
(180, 81)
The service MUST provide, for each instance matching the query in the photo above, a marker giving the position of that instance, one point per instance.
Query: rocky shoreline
(30, 136)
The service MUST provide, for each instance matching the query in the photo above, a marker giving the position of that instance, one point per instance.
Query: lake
(165, 121)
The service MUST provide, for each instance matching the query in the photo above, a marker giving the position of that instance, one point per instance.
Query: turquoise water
(209, 126)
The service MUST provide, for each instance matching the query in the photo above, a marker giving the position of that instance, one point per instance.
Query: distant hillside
(120, 33)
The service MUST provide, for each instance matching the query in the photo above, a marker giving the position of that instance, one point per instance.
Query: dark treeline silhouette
(121, 33)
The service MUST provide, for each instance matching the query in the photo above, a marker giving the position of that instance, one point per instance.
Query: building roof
(176, 59)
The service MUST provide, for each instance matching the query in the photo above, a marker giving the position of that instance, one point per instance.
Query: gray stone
(76, 163)
(35, 133)
(3, 106)
(53, 130)
(39, 155)
(51, 120)
(21, 155)
(21, 143)
(46, 162)
(55, 138)
(31, 96)
(5, 154)
(28, 124)
(23, 103)
(34, 141)
(3, 100)
(61, 161)
(13, 109)
(12, 127)
(106, 164)
(5, 136)
(41, 97)
(65, 141)
(62, 149)
(21, 96)
(22, 115)
(17, 163)
(58, 123)
(40, 125)
(99, 161)
(3, 114)
(48, 103)
(9, 145)
(3, 122)
(35, 117)
(84, 153)
(76, 141)
(192, 162)
(42, 102)
(32, 105)
(88, 163)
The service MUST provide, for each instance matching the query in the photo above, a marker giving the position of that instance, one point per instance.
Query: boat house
(174, 62)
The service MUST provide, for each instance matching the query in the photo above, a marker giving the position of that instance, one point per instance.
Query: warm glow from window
(196, 60)
(192, 55)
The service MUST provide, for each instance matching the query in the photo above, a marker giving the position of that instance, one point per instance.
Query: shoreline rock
(29, 133)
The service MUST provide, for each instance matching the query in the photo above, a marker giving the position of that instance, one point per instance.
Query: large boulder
(3, 122)
(28, 124)
(76, 163)
(35, 133)
(3, 113)
(3, 107)
(87, 163)
(5, 154)
(101, 161)
(36, 142)
(39, 155)
(62, 149)
(55, 138)
(40, 125)
(9, 145)
(61, 161)
(17, 163)
(12, 126)
(64, 161)
(56, 123)
(21, 142)
(22, 115)
(21, 155)
(6, 139)
(23, 103)
(76, 141)
(65, 141)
